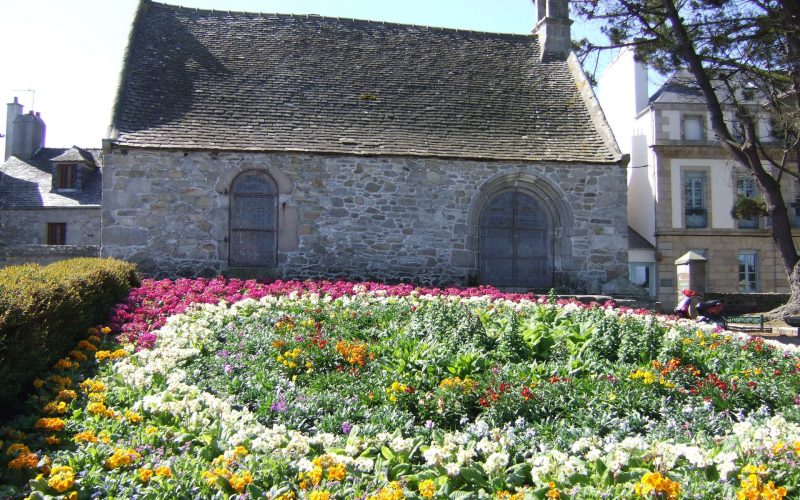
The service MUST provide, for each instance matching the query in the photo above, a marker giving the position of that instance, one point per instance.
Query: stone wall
(383, 218)
(29, 227)
(12, 255)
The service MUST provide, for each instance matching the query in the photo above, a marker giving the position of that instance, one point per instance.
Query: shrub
(45, 309)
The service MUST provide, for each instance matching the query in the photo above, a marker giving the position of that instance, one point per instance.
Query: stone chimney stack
(553, 28)
(24, 133)
(14, 109)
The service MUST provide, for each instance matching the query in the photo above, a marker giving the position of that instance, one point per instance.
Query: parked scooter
(709, 311)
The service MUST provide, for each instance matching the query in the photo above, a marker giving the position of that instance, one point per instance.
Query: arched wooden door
(253, 220)
(515, 243)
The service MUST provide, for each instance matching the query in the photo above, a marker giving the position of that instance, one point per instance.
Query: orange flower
(50, 424)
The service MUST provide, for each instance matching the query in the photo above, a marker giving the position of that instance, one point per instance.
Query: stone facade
(29, 227)
(383, 218)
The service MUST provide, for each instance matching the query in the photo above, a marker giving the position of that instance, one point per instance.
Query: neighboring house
(49, 197)
(682, 186)
(305, 146)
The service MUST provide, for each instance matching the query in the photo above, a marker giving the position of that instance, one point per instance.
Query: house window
(748, 272)
(66, 176)
(642, 274)
(693, 128)
(745, 187)
(56, 233)
(695, 199)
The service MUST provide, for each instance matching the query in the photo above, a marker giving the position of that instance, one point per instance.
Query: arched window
(253, 220)
(515, 242)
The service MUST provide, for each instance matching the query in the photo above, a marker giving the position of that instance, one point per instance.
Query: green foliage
(44, 310)
(747, 208)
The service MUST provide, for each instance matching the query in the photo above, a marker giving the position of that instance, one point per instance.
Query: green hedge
(45, 310)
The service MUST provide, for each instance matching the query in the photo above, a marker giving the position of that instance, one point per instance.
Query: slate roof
(681, 87)
(74, 154)
(28, 184)
(198, 79)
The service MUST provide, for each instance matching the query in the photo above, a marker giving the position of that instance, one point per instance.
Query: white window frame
(747, 279)
(701, 127)
(689, 202)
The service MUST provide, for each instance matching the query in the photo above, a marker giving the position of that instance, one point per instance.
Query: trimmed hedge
(45, 310)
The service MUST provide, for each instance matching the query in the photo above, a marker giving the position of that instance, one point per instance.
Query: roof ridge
(337, 18)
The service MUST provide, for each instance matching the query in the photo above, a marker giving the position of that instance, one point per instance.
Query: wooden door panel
(515, 244)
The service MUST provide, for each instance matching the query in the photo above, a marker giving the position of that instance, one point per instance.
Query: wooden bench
(744, 323)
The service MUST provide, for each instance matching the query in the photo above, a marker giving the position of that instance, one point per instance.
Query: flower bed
(336, 390)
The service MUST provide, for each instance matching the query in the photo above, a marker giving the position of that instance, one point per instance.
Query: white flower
(433, 455)
(496, 463)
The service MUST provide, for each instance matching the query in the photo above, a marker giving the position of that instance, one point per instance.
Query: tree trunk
(792, 307)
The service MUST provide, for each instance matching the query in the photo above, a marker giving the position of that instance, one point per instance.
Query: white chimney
(14, 109)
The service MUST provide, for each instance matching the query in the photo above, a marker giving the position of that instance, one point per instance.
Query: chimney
(553, 28)
(14, 109)
(27, 136)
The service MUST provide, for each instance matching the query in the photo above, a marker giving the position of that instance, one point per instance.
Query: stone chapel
(291, 146)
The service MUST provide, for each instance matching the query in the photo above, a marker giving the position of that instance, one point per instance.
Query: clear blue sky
(70, 51)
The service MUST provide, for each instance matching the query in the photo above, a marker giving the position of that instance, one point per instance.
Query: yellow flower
(163, 471)
(132, 417)
(427, 488)
(38, 383)
(151, 430)
(93, 338)
(90, 385)
(778, 447)
(286, 495)
(85, 344)
(145, 474)
(336, 472)
(62, 478)
(392, 491)
(319, 495)
(52, 440)
(315, 475)
(53, 407)
(85, 437)
(646, 377)
(240, 480)
(105, 330)
(66, 395)
(96, 408)
(122, 458)
(654, 482)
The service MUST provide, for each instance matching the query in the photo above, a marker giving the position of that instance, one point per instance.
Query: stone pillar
(691, 273)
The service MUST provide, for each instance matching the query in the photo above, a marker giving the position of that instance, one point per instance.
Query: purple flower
(346, 427)
(228, 368)
(279, 406)
(223, 353)
(429, 424)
